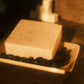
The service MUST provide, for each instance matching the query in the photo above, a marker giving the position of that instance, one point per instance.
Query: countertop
(9, 74)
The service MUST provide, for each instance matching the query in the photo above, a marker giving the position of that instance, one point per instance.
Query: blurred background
(11, 11)
(71, 13)
(71, 10)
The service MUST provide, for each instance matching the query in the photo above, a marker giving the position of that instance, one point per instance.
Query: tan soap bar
(34, 38)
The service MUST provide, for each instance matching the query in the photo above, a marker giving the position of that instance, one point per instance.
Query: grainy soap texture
(34, 38)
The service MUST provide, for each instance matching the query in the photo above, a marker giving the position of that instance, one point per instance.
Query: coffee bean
(3, 55)
(17, 58)
(30, 60)
(61, 58)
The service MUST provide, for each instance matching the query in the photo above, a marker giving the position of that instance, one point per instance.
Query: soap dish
(63, 70)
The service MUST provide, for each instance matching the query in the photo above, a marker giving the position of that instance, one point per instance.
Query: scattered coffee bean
(22, 59)
(17, 58)
(61, 58)
(10, 56)
(30, 60)
(3, 55)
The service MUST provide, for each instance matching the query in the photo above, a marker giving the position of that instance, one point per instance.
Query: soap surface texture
(34, 38)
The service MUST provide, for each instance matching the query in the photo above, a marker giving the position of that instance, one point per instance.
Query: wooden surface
(9, 74)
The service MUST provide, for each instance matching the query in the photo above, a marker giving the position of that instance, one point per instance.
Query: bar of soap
(34, 38)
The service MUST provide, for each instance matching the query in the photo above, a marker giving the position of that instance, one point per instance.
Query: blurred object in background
(45, 12)
(2, 6)
(71, 10)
